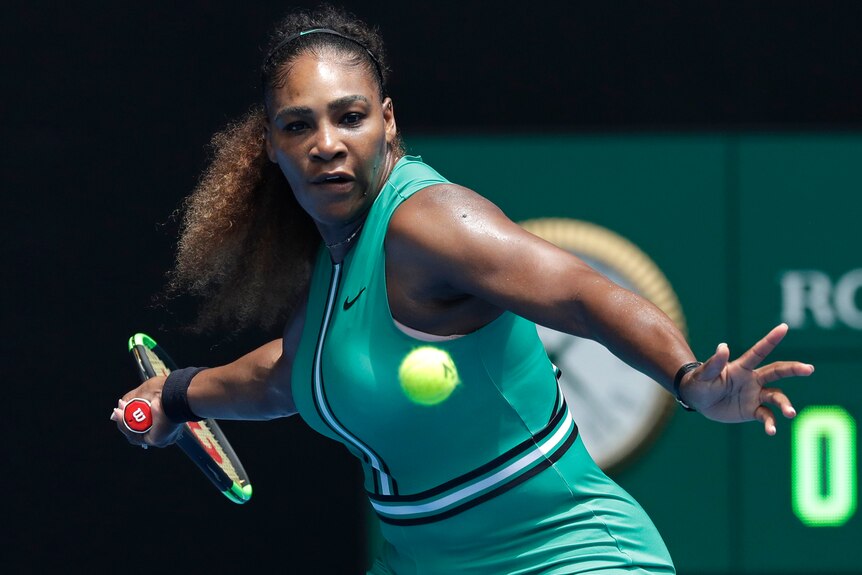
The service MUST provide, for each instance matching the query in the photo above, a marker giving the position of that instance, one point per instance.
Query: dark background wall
(107, 111)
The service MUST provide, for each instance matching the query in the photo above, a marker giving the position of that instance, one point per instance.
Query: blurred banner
(748, 231)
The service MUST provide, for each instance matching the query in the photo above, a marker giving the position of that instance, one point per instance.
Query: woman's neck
(341, 243)
(338, 250)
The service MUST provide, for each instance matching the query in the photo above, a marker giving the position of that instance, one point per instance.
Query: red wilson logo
(205, 441)
(137, 415)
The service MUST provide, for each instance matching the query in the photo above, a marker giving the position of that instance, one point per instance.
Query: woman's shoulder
(439, 204)
(439, 218)
(411, 174)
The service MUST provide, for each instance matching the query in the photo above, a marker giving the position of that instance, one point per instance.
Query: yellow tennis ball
(428, 375)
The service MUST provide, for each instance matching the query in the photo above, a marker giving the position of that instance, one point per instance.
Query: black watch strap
(678, 379)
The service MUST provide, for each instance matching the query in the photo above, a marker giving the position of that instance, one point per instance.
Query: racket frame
(189, 441)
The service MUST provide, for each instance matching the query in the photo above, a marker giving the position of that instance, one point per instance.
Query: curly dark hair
(246, 247)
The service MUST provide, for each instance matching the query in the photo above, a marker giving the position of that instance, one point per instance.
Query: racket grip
(138, 415)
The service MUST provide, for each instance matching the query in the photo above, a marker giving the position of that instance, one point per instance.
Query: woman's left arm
(473, 248)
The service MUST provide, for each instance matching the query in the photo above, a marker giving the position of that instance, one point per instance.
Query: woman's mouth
(332, 178)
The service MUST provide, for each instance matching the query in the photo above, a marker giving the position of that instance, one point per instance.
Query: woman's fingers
(777, 398)
(782, 369)
(764, 415)
(713, 367)
(760, 350)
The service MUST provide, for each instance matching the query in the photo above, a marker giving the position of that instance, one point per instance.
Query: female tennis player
(312, 212)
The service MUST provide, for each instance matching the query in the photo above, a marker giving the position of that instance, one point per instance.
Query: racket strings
(209, 440)
(158, 365)
(202, 432)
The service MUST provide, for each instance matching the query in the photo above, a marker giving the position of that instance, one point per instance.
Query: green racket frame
(203, 441)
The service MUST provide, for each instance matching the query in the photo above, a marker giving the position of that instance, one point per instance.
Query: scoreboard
(749, 230)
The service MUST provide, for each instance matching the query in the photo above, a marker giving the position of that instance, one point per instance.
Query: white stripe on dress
(514, 468)
(328, 416)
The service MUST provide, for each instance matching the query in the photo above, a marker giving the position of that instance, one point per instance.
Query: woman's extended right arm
(254, 387)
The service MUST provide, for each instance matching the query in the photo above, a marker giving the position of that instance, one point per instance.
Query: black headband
(285, 41)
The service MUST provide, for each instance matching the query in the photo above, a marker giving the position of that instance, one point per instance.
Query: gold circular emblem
(619, 410)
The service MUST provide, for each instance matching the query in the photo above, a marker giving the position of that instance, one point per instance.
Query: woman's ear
(389, 120)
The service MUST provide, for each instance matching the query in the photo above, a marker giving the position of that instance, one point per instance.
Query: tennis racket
(203, 441)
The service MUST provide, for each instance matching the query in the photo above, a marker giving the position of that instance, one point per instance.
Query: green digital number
(823, 447)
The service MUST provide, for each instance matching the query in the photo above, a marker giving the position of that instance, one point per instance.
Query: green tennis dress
(495, 478)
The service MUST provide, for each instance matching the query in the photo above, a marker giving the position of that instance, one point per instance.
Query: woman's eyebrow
(294, 111)
(345, 101)
(337, 104)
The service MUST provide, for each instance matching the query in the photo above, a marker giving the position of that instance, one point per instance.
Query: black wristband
(677, 379)
(175, 399)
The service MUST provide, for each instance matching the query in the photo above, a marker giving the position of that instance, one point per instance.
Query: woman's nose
(328, 144)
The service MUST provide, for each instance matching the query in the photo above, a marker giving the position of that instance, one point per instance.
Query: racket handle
(137, 415)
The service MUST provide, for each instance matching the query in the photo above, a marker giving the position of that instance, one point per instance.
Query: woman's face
(329, 132)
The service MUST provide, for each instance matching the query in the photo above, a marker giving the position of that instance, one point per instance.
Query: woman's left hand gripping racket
(202, 441)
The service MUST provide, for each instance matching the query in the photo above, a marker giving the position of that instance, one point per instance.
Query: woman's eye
(352, 118)
(294, 126)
